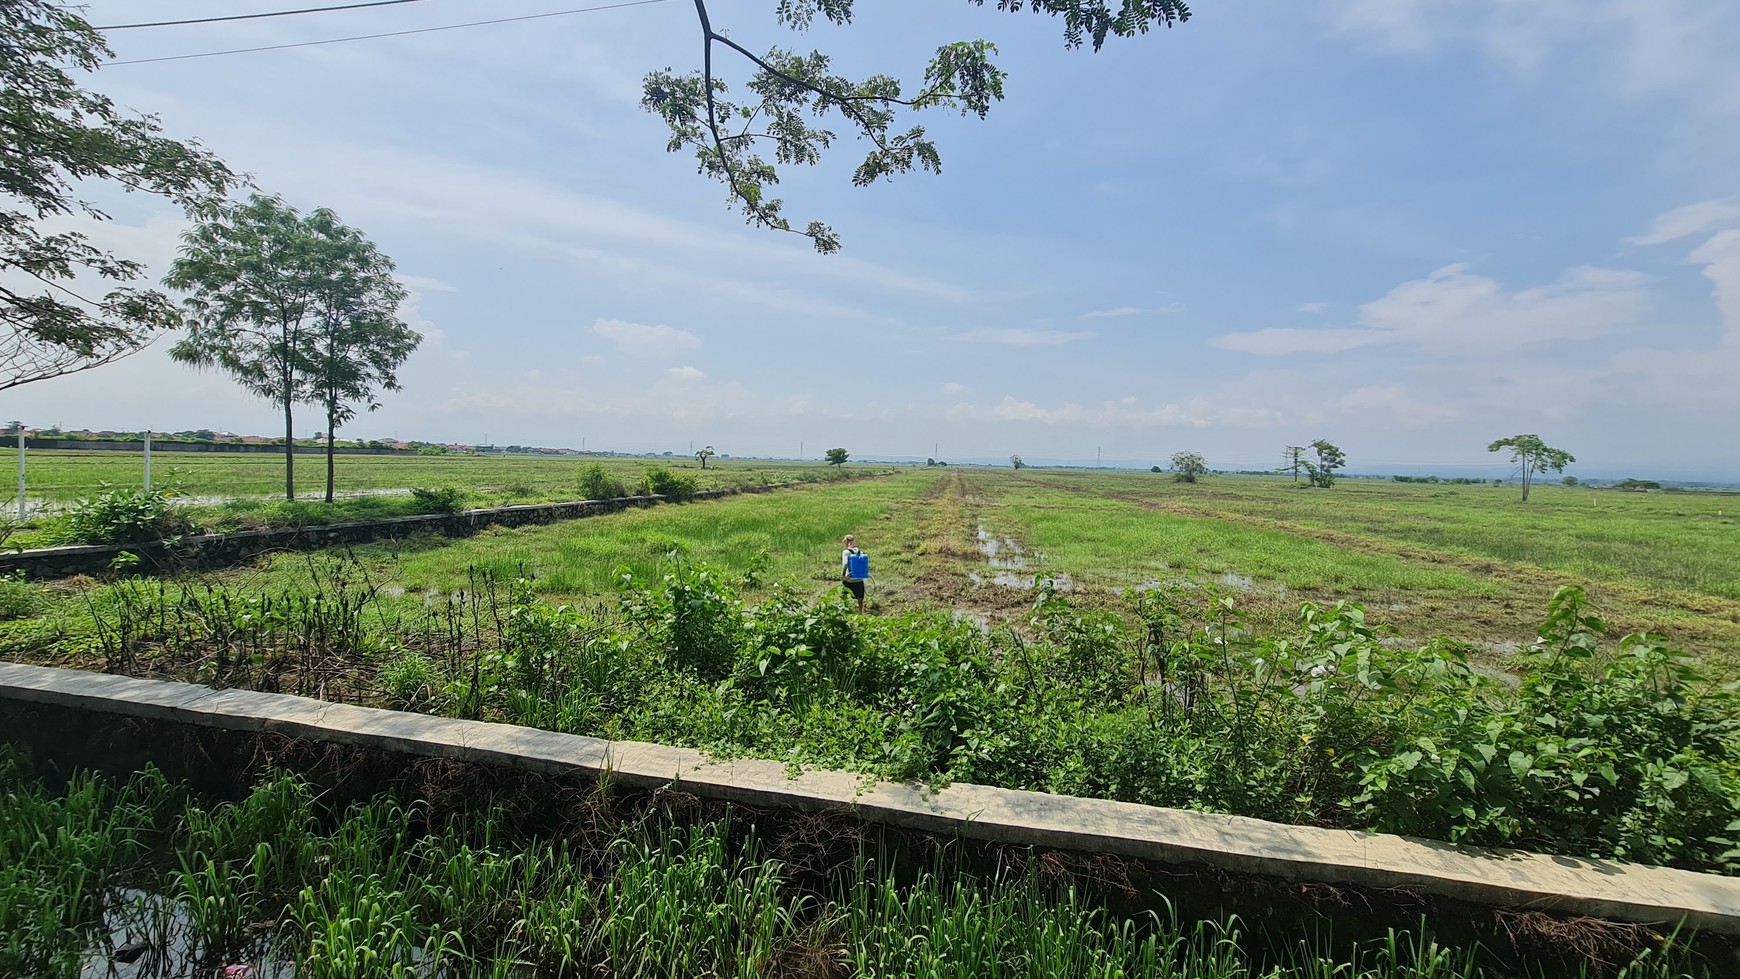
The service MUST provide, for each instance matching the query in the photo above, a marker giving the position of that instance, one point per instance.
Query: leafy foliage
(1329, 459)
(597, 483)
(1534, 456)
(297, 308)
(1632, 753)
(57, 136)
(438, 499)
(662, 481)
(836, 457)
(789, 95)
(123, 515)
(1188, 467)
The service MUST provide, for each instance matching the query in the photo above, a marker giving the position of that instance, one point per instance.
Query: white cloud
(685, 373)
(645, 341)
(1692, 219)
(1286, 341)
(423, 283)
(1313, 307)
(1452, 312)
(1720, 257)
(1107, 314)
(953, 387)
(1018, 337)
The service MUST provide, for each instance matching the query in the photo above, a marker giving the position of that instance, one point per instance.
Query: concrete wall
(1235, 844)
(217, 550)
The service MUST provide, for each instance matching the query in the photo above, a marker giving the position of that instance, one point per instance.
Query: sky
(1408, 226)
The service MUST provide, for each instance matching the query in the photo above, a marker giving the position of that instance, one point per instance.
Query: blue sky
(1408, 226)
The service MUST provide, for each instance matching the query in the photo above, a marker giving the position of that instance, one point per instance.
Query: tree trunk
(1525, 481)
(289, 452)
(330, 425)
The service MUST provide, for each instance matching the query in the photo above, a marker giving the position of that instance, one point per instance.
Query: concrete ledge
(1563, 885)
(216, 550)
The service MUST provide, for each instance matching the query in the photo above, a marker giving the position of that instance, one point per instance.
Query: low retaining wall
(216, 550)
(1563, 885)
(137, 446)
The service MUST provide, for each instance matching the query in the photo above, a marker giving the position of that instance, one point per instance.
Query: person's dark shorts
(855, 587)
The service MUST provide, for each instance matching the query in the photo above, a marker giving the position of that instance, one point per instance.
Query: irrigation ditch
(1287, 887)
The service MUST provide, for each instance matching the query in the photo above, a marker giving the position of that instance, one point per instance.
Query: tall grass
(387, 891)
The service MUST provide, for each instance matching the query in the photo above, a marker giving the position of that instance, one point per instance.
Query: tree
(56, 136)
(252, 277)
(1156, 469)
(1534, 456)
(835, 457)
(1015, 461)
(1188, 467)
(1329, 459)
(784, 87)
(705, 454)
(1571, 481)
(357, 340)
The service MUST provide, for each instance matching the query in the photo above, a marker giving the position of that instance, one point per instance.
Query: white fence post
(147, 460)
(21, 472)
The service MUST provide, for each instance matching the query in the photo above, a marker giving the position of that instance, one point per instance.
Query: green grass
(798, 530)
(224, 492)
(385, 888)
(63, 476)
(1684, 541)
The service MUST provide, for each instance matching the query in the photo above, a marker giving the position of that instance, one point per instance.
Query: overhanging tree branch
(791, 87)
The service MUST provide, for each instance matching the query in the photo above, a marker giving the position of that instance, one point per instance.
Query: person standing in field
(853, 585)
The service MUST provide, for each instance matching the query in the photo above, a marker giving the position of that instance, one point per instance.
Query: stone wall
(219, 550)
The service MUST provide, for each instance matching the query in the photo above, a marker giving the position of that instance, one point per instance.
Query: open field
(1094, 634)
(1470, 562)
(63, 476)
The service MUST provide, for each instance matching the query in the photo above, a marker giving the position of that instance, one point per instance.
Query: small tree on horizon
(1188, 467)
(1015, 460)
(1329, 459)
(836, 457)
(703, 455)
(1534, 455)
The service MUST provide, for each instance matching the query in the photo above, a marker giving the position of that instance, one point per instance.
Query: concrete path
(1563, 885)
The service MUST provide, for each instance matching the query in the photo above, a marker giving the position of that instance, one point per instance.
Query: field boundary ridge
(217, 550)
(1233, 844)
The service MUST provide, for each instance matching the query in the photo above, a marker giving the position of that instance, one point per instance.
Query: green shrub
(663, 482)
(597, 483)
(122, 515)
(439, 499)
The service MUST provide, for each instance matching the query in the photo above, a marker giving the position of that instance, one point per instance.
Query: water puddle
(1006, 553)
(1008, 559)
